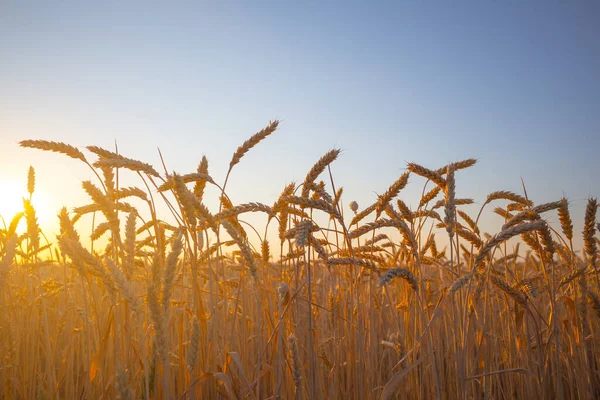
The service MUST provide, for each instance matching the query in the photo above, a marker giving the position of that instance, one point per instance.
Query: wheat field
(327, 300)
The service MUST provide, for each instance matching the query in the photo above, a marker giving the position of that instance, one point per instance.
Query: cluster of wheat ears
(356, 307)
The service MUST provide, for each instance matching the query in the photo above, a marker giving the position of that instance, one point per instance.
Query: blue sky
(513, 84)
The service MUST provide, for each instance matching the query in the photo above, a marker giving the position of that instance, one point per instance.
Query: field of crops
(327, 300)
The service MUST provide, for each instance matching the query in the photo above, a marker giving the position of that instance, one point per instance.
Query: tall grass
(358, 303)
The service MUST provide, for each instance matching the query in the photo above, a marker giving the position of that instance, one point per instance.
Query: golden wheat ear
(253, 141)
(317, 169)
(57, 147)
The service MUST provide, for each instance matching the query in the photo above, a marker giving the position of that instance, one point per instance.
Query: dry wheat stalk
(565, 219)
(403, 273)
(547, 241)
(425, 214)
(302, 230)
(200, 184)
(265, 252)
(30, 181)
(103, 153)
(433, 176)
(432, 194)
(469, 236)
(171, 269)
(459, 283)
(186, 199)
(594, 301)
(510, 207)
(375, 239)
(532, 213)
(127, 163)
(404, 210)
(283, 291)
(283, 223)
(506, 195)
(336, 199)
(361, 215)
(296, 366)
(129, 245)
(319, 192)
(305, 224)
(57, 147)
(469, 221)
(392, 192)
(83, 258)
(449, 202)
(109, 182)
(243, 208)
(318, 247)
(503, 213)
(503, 236)
(244, 247)
(589, 231)
(381, 223)
(198, 178)
(359, 262)
(90, 208)
(131, 191)
(312, 203)
(253, 141)
(530, 240)
(390, 212)
(317, 169)
(192, 354)
(100, 230)
(280, 203)
(106, 206)
(457, 202)
(33, 229)
(66, 226)
(123, 285)
(517, 295)
(469, 162)
(159, 323)
(430, 242)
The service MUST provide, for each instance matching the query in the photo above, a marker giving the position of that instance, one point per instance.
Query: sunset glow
(11, 200)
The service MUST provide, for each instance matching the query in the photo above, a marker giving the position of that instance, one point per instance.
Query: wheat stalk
(506, 195)
(199, 178)
(392, 192)
(433, 176)
(565, 219)
(317, 169)
(57, 147)
(403, 273)
(589, 231)
(503, 236)
(193, 349)
(250, 143)
(127, 163)
(432, 194)
(532, 213)
(469, 162)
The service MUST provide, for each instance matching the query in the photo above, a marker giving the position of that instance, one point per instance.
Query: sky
(514, 84)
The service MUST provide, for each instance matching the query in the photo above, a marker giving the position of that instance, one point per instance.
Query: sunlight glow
(12, 193)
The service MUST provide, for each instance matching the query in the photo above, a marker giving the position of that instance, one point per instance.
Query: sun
(12, 193)
(11, 198)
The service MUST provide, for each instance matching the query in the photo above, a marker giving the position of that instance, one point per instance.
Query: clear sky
(514, 84)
